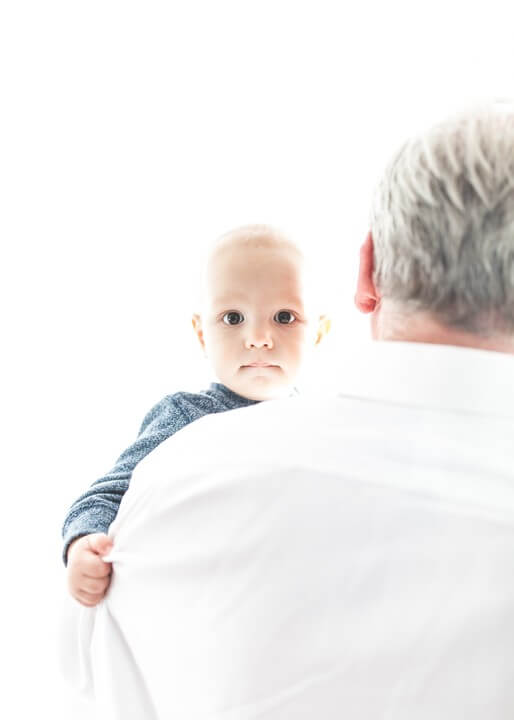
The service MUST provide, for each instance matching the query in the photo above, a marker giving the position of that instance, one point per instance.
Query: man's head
(258, 318)
(438, 264)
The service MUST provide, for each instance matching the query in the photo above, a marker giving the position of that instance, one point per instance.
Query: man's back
(349, 557)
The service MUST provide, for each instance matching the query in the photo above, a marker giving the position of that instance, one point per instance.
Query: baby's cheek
(301, 340)
(305, 349)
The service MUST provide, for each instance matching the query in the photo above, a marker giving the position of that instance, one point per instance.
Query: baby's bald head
(253, 235)
(265, 240)
(248, 237)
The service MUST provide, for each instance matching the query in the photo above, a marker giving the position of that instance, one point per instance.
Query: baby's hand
(88, 575)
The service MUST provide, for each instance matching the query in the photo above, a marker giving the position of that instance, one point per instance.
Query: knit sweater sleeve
(95, 509)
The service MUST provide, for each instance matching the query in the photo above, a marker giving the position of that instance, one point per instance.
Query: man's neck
(389, 324)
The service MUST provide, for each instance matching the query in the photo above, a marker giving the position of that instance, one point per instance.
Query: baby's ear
(324, 324)
(197, 325)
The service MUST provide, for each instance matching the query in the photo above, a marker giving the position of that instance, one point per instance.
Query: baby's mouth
(260, 365)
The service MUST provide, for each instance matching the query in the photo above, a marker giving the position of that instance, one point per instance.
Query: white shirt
(347, 557)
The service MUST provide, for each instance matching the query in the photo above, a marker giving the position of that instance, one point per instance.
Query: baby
(256, 326)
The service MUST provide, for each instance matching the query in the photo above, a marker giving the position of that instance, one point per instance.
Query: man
(347, 557)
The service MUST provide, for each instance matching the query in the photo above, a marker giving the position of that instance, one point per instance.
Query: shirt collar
(433, 376)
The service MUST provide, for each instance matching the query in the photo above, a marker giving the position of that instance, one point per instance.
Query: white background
(133, 133)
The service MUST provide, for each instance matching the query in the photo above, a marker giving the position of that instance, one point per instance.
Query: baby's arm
(89, 518)
(95, 510)
(88, 575)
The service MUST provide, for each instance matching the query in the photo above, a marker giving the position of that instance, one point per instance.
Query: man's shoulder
(259, 435)
(277, 418)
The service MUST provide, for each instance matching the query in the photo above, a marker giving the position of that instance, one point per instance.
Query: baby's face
(255, 327)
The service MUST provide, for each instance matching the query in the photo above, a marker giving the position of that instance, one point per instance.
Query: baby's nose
(258, 337)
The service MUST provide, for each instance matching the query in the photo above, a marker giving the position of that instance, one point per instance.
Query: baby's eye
(233, 318)
(284, 317)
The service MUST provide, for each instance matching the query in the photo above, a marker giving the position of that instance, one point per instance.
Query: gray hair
(443, 224)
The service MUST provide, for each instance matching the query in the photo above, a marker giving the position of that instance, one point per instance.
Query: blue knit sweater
(95, 509)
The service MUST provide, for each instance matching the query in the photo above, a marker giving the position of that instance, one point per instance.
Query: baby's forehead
(257, 238)
(239, 249)
(233, 253)
(255, 262)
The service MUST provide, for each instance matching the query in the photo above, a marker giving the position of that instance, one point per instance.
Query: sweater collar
(230, 395)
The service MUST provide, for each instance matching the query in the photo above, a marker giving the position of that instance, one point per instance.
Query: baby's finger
(100, 543)
(93, 566)
(94, 587)
(88, 599)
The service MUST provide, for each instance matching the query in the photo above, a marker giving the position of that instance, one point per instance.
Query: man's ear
(197, 325)
(366, 297)
(324, 324)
